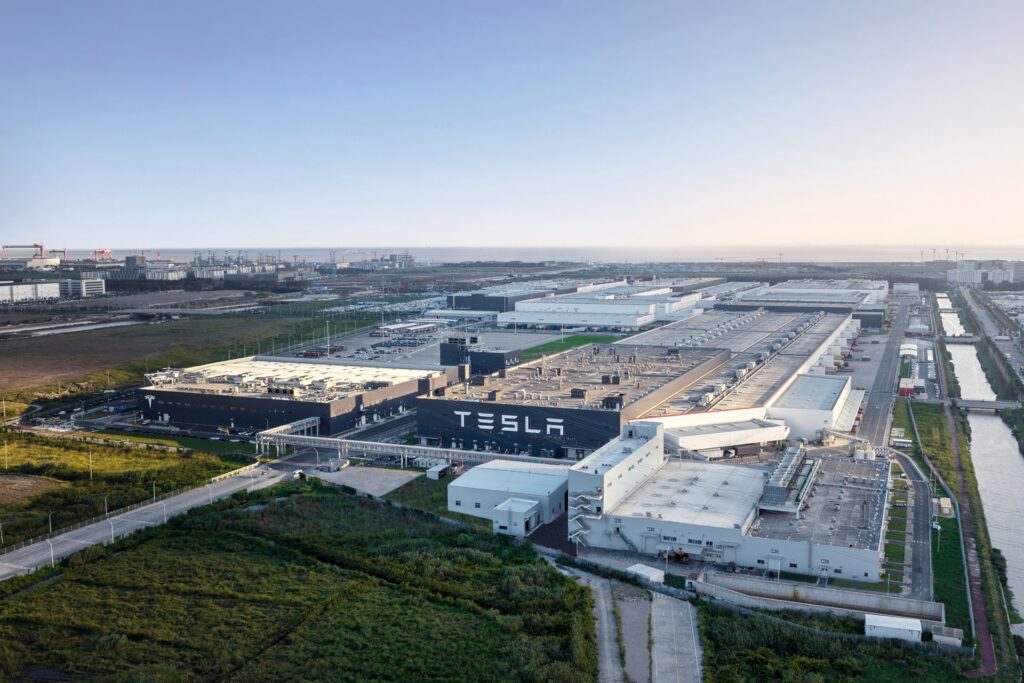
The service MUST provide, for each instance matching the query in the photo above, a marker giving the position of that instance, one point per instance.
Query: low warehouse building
(516, 496)
(260, 392)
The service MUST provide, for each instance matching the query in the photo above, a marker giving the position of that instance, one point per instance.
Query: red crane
(38, 247)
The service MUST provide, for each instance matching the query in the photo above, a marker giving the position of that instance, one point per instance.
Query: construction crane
(102, 254)
(62, 252)
(40, 250)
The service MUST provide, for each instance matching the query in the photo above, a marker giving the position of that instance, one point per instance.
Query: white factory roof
(813, 392)
(516, 505)
(515, 477)
(701, 494)
(299, 369)
(726, 434)
(610, 455)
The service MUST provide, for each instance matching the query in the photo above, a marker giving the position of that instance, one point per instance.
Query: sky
(248, 123)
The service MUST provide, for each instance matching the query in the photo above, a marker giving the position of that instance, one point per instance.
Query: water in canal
(951, 324)
(998, 465)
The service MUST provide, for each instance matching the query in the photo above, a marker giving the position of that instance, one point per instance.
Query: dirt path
(609, 666)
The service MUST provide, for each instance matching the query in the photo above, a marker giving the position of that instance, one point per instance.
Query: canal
(997, 463)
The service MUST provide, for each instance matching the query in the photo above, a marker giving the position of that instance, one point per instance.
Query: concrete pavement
(31, 557)
(609, 665)
(676, 652)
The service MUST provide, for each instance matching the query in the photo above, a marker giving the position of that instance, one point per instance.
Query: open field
(432, 496)
(71, 480)
(567, 343)
(303, 582)
(64, 365)
(948, 564)
(739, 647)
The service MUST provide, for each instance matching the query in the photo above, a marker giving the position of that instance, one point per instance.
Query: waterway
(998, 465)
(951, 323)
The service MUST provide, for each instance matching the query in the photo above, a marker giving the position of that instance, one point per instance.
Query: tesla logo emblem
(553, 426)
(149, 399)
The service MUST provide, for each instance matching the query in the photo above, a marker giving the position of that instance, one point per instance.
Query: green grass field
(739, 647)
(432, 496)
(948, 571)
(565, 344)
(303, 582)
(52, 475)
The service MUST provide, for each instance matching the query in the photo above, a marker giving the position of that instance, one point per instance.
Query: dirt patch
(635, 610)
(37, 361)
(17, 488)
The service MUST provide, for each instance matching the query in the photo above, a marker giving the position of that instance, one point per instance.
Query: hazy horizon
(461, 124)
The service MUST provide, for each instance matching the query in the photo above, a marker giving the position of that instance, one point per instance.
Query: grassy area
(432, 496)
(935, 436)
(303, 582)
(36, 369)
(71, 480)
(898, 524)
(565, 344)
(739, 647)
(948, 571)
(895, 553)
(224, 446)
(904, 368)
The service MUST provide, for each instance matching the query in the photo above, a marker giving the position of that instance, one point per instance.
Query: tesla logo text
(510, 423)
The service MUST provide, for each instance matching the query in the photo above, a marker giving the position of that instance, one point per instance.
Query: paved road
(992, 329)
(920, 546)
(37, 555)
(676, 654)
(875, 423)
(609, 665)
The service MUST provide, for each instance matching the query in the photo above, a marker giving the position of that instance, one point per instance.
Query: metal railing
(4, 550)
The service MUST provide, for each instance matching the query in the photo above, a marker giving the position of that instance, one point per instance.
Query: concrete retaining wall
(851, 600)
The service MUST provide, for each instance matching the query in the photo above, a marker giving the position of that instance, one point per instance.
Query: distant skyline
(194, 124)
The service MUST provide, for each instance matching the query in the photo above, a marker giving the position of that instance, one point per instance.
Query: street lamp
(52, 562)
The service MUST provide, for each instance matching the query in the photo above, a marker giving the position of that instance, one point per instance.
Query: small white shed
(645, 572)
(885, 626)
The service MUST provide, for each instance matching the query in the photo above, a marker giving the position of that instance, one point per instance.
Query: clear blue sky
(213, 123)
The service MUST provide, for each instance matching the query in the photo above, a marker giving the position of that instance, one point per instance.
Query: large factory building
(563, 406)
(260, 392)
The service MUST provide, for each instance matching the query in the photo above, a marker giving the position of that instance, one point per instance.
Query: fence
(4, 550)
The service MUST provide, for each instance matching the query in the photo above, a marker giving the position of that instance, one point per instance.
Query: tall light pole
(52, 562)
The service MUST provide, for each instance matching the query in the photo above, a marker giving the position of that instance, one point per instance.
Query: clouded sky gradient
(245, 123)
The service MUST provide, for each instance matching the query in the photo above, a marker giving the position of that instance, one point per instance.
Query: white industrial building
(80, 289)
(28, 290)
(516, 496)
(624, 306)
(630, 495)
(839, 291)
(814, 403)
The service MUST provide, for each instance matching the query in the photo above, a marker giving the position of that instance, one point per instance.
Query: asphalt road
(675, 653)
(879, 400)
(921, 554)
(43, 553)
(1010, 352)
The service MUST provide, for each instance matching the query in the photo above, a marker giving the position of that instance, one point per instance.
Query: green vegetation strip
(74, 481)
(948, 572)
(740, 647)
(302, 582)
(560, 345)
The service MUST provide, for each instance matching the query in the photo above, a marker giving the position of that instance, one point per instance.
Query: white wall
(481, 502)
(731, 545)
